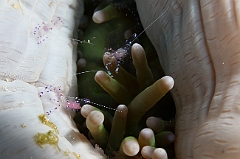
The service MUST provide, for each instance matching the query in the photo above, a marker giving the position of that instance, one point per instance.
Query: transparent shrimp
(67, 102)
(42, 30)
(122, 53)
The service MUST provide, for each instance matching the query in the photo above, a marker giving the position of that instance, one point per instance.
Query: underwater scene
(108, 46)
(99, 79)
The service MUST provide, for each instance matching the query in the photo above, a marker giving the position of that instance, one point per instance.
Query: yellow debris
(67, 152)
(23, 125)
(15, 6)
(50, 4)
(76, 155)
(47, 122)
(48, 138)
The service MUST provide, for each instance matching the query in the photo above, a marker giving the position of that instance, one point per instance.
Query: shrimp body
(121, 53)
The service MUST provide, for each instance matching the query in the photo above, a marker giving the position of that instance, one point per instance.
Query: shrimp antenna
(82, 41)
(90, 71)
(87, 101)
(151, 23)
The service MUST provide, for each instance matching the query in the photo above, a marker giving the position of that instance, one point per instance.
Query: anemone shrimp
(125, 51)
(67, 102)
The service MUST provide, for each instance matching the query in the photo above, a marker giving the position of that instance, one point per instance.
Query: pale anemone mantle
(198, 45)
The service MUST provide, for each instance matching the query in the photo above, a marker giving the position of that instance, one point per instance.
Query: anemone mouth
(103, 37)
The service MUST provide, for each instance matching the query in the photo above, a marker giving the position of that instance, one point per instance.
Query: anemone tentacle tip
(98, 17)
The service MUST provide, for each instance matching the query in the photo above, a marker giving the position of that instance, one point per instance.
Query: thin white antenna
(151, 23)
(88, 42)
(91, 71)
(82, 41)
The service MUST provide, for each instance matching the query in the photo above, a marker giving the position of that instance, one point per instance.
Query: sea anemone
(136, 95)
